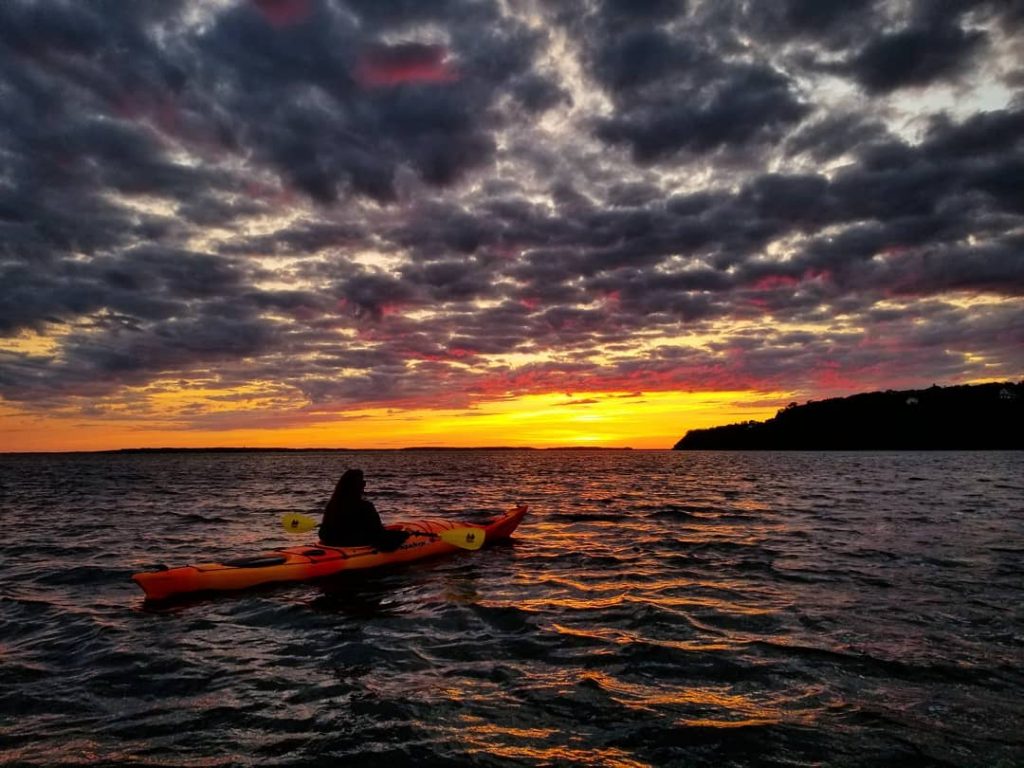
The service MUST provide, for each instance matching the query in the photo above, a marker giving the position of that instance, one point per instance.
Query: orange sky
(601, 419)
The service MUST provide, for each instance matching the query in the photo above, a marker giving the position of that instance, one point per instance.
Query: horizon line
(282, 449)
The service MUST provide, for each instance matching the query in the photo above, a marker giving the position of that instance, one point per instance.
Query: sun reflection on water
(535, 746)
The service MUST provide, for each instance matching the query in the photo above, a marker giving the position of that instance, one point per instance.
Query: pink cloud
(283, 13)
(774, 282)
(409, 63)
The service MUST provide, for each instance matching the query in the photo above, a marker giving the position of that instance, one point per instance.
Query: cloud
(406, 63)
(337, 112)
(914, 56)
(731, 107)
(833, 136)
(281, 13)
(388, 204)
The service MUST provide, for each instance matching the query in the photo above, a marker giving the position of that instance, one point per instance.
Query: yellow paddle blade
(467, 538)
(293, 522)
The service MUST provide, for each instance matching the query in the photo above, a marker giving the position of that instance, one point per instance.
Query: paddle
(466, 538)
(293, 522)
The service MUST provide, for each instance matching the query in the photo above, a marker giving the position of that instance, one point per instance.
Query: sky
(365, 223)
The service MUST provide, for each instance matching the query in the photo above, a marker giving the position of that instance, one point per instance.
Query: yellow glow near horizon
(613, 419)
(597, 419)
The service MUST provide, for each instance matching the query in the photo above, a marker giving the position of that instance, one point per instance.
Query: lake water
(655, 608)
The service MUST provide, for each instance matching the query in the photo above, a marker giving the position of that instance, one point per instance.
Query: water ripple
(655, 609)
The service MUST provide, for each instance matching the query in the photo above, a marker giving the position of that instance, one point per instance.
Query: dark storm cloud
(834, 135)
(304, 238)
(451, 280)
(834, 21)
(676, 83)
(449, 193)
(88, 100)
(147, 282)
(373, 294)
(537, 94)
(985, 134)
(889, 47)
(934, 193)
(336, 111)
(895, 349)
(915, 56)
(94, 364)
(996, 267)
(728, 106)
(615, 12)
(436, 231)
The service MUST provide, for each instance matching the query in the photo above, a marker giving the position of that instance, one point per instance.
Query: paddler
(352, 521)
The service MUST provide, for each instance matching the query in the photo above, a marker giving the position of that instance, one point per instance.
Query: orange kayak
(314, 561)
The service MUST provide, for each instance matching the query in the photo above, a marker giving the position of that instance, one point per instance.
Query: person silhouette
(352, 521)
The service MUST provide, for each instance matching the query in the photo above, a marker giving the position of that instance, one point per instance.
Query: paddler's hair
(349, 487)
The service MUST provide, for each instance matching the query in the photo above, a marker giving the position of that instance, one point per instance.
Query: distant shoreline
(230, 449)
(969, 417)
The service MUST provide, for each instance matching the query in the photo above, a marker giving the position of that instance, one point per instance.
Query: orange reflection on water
(621, 637)
(652, 594)
(742, 710)
(506, 742)
(572, 603)
(519, 733)
(753, 533)
(724, 606)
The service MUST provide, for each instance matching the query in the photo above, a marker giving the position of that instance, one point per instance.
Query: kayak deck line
(313, 561)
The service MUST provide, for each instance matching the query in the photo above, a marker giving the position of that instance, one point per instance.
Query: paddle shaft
(466, 537)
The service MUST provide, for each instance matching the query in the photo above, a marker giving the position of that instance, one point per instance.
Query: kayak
(315, 561)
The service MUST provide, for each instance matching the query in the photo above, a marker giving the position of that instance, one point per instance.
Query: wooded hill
(969, 417)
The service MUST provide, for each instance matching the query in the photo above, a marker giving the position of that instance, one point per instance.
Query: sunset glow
(599, 420)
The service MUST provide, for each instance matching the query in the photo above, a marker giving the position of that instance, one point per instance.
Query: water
(656, 608)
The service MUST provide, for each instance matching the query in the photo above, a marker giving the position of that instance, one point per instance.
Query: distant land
(246, 449)
(968, 417)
